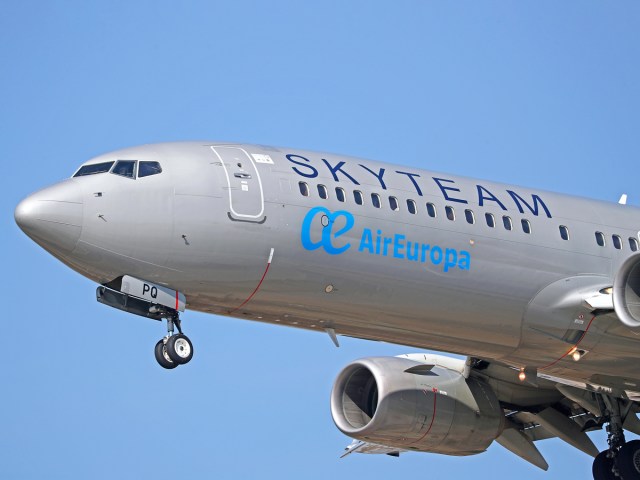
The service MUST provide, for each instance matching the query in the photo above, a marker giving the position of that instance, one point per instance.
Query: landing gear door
(246, 198)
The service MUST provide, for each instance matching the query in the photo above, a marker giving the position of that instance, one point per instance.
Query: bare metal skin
(513, 278)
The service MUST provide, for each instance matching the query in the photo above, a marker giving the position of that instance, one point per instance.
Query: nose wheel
(162, 356)
(173, 350)
(179, 349)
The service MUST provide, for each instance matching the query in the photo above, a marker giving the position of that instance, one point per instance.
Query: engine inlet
(359, 397)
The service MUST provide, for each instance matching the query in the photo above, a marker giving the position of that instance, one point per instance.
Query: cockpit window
(148, 168)
(125, 168)
(93, 169)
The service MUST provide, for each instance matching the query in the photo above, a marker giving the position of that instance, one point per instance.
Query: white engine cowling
(404, 403)
(626, 292)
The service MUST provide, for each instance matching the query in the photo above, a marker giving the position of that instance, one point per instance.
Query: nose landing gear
(173, 350)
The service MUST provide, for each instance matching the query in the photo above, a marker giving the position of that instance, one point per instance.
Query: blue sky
(543, 94)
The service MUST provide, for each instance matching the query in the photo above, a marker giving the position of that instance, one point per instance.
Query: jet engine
(416, 402)
(626, 292)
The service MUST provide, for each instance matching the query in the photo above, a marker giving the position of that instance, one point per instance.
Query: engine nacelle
(626, 292)
(403, 402)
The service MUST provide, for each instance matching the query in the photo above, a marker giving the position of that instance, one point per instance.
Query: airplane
(538, 291)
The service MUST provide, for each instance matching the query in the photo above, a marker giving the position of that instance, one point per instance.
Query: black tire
(602, 466)
(162, 357)
(180, 349)
(629, 460)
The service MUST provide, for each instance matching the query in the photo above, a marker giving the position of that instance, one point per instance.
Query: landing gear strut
(622, 459)
(173, 350)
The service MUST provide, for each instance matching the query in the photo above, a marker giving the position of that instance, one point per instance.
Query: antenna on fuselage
(623, 199)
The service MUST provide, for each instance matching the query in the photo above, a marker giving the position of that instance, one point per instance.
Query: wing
(550, 408)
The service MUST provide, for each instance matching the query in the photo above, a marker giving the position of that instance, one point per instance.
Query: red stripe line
(255, 291)
(435, 399)
(572, 349)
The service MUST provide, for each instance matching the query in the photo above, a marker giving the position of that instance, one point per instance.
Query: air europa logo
(329, 221)
(329, 233)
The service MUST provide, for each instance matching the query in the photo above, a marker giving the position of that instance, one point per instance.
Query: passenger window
(393, 203)
(411, 206)
(93, 169)
(633, 244)
(304, 188)
(506, 221)
(322, 191)
(357, 196)
(471, 219)
(617, 242)
(431, 210)
(450, 212)
(600, 239)
(340, 194)
(491, 221)
(564, 232)
(125, 168)
(526, 226)
(146, 169)
(375, 199)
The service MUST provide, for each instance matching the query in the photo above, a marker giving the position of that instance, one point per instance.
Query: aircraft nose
(52, 217)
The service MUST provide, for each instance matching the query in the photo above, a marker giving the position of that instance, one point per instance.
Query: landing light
(522, 376)
(576, 354)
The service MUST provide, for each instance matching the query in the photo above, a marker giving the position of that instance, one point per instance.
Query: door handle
(242, 175)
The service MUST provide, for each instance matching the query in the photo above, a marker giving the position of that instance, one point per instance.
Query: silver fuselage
(209, 224)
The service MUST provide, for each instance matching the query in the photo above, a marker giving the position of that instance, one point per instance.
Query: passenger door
(246, 197)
